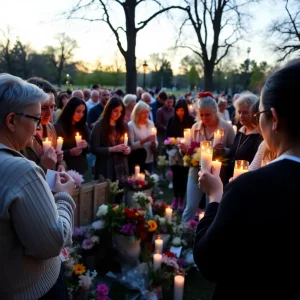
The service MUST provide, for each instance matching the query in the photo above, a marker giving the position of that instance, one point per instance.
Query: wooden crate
(88, 198)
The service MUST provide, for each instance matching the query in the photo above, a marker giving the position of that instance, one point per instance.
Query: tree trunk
(208, 75)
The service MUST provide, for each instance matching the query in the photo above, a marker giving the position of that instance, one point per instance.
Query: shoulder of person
(197, 125)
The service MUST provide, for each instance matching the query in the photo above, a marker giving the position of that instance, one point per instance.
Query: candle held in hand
(59, 143)
(46, 144)
(217, 165)
(126, 139)
(78, 139)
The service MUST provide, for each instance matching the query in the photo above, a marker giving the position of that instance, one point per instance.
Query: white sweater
(34, 227)
(136, 134)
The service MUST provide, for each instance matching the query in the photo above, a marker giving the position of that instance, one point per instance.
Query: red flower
(169, 254)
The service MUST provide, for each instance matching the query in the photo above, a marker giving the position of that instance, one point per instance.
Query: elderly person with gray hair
(34, 224)
(129, 102)
(203, 130)
(248, 139)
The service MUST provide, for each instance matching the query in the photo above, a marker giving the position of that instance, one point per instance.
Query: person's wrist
(216, 196)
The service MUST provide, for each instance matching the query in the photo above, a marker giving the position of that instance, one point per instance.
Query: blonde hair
(140, 106)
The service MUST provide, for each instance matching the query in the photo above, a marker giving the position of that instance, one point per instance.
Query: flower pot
(129, 250)
(128, 197)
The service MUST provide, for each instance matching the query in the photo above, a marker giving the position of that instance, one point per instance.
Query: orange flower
(152, 225)
(79, 269)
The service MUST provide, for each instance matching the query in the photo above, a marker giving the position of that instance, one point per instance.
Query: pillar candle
(206, 159)
(157, 259)
(217, 165)
(142, 176)
(169, 212)
(126, 139)
(187, 136)
(159, 243)
(218, 137)
(191, 109)
(240, 167)
(137, 171)
(178, 287)
(234, 128)
(153, 130)
(78, 139)
(46, 144)
(59, 143)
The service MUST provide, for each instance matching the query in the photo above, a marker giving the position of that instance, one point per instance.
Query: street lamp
(145, 66)
(67, 82)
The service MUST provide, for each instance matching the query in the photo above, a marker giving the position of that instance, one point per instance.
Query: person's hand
(82, 144)
(219, 147)
(183, 148)
(49, 159)
(59, 155)
(151, 138)
(75, 151)
(127, 150)
(61, 168)
(118, 148)
(64, 183)
(211, 184)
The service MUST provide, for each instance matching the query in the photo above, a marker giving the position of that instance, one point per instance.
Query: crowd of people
(247, 240)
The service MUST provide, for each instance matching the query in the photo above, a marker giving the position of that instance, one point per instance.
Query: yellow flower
(79, 269)
(194, 162)
(115, 207)
(173, 141)
(198, 150)
(196, 156)
(152, 225)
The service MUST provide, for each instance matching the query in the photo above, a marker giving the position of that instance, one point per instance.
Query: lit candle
(59, 143)
(201, 215)
(46, 144)
(206, 159)
(217, 165)
(182, 141)
(137, 171)
(218, 137)
(159, 245)
(187, 136)
(178, 287)
(126, 139)
(240, 167)
(191, 109)
(169, 212)
(234, 128)
(78, 139)
(142, 176)
(229, 122)
(157, 259)
(153, 130)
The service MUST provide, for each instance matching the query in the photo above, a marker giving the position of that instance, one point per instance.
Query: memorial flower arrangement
(163, 227)
(142, 200)
(171, 143)
(137, 183)
(193, 155)
(78, 178)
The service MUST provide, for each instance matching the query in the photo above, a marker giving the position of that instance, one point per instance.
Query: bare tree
(6, 45)
(61, 55)
(218, 26)
(287, 31)
(130, 29)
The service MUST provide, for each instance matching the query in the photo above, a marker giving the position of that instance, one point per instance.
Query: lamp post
(67, 82)
(145, 66)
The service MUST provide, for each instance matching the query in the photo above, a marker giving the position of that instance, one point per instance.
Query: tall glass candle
(240, 167)
(59, 143)
(178, 287)
(217, 165)
(187, 136)
(46, 144)
(206, 156)
(157, 259)
(218, 137)
(78, 139)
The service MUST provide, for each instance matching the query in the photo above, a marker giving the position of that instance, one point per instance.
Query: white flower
(95, 239)
(102, 210)
(155, 177)
(98, 225)
(176, 241)
(85, 281)
(162, 220)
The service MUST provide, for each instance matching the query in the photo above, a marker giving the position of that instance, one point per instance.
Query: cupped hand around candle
(118, 148)
(211, 184)
(82, 144)
(127, 150)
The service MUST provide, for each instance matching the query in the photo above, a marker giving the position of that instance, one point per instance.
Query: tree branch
(190, 48)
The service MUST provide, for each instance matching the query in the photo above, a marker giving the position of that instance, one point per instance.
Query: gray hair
(94, 92)
(146, 94)
(208, 103)
(16, 94)
(245, 98)
(129, 98)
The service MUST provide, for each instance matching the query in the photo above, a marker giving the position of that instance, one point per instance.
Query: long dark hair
(111, 104)
(67, 114)
(181, 103)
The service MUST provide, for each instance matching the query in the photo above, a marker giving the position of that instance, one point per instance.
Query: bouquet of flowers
(138, 183)
(142, 200)
(193, 155)
(163, 227)
(159, 208)
(171, 143)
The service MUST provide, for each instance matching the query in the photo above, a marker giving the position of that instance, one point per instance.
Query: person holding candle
(203, 130)
(249, 217)
(107, 142)
(34, 224)
(72, 122)
(141, 135)
(51, 158)
(176, 125)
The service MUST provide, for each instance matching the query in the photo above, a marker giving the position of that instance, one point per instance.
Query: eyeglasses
(256, 116)
(36, 119)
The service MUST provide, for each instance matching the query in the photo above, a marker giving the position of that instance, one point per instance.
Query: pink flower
(78, 178)
(193, 223)
(87, 244)
(102, 291)
(168, 141)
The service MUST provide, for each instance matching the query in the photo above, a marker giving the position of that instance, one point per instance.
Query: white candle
(178, 287)
(157, 259)
(234, 128)
(78, 139)
(182, 141)
(126, 139)
(137, 171)
(153, 130)
(218, 137)
(187, 136)
(142, 176)
(206, 159)
(217, 165)
(46, 144)
(201, 215)
(191, 109)
(169, 212)
(240, 167)
(159, 243)
(59, 143)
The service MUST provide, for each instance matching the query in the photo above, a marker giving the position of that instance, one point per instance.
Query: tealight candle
(59, 143)
(217, 165)
(159, 243)
(169, 212)
(137, 171)
(201, 215)
(78, 139)
(157, 259)
(126, 139)
(218, 137)
(46, 144)
(153, 130)
(240, 167)
(234, 128)
(178, 287)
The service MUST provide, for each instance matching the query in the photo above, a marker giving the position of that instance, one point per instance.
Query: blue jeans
(58, 291)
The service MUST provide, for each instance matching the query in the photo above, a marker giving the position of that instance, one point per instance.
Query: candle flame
(125, 136)
(77, 133)
(47, 139)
